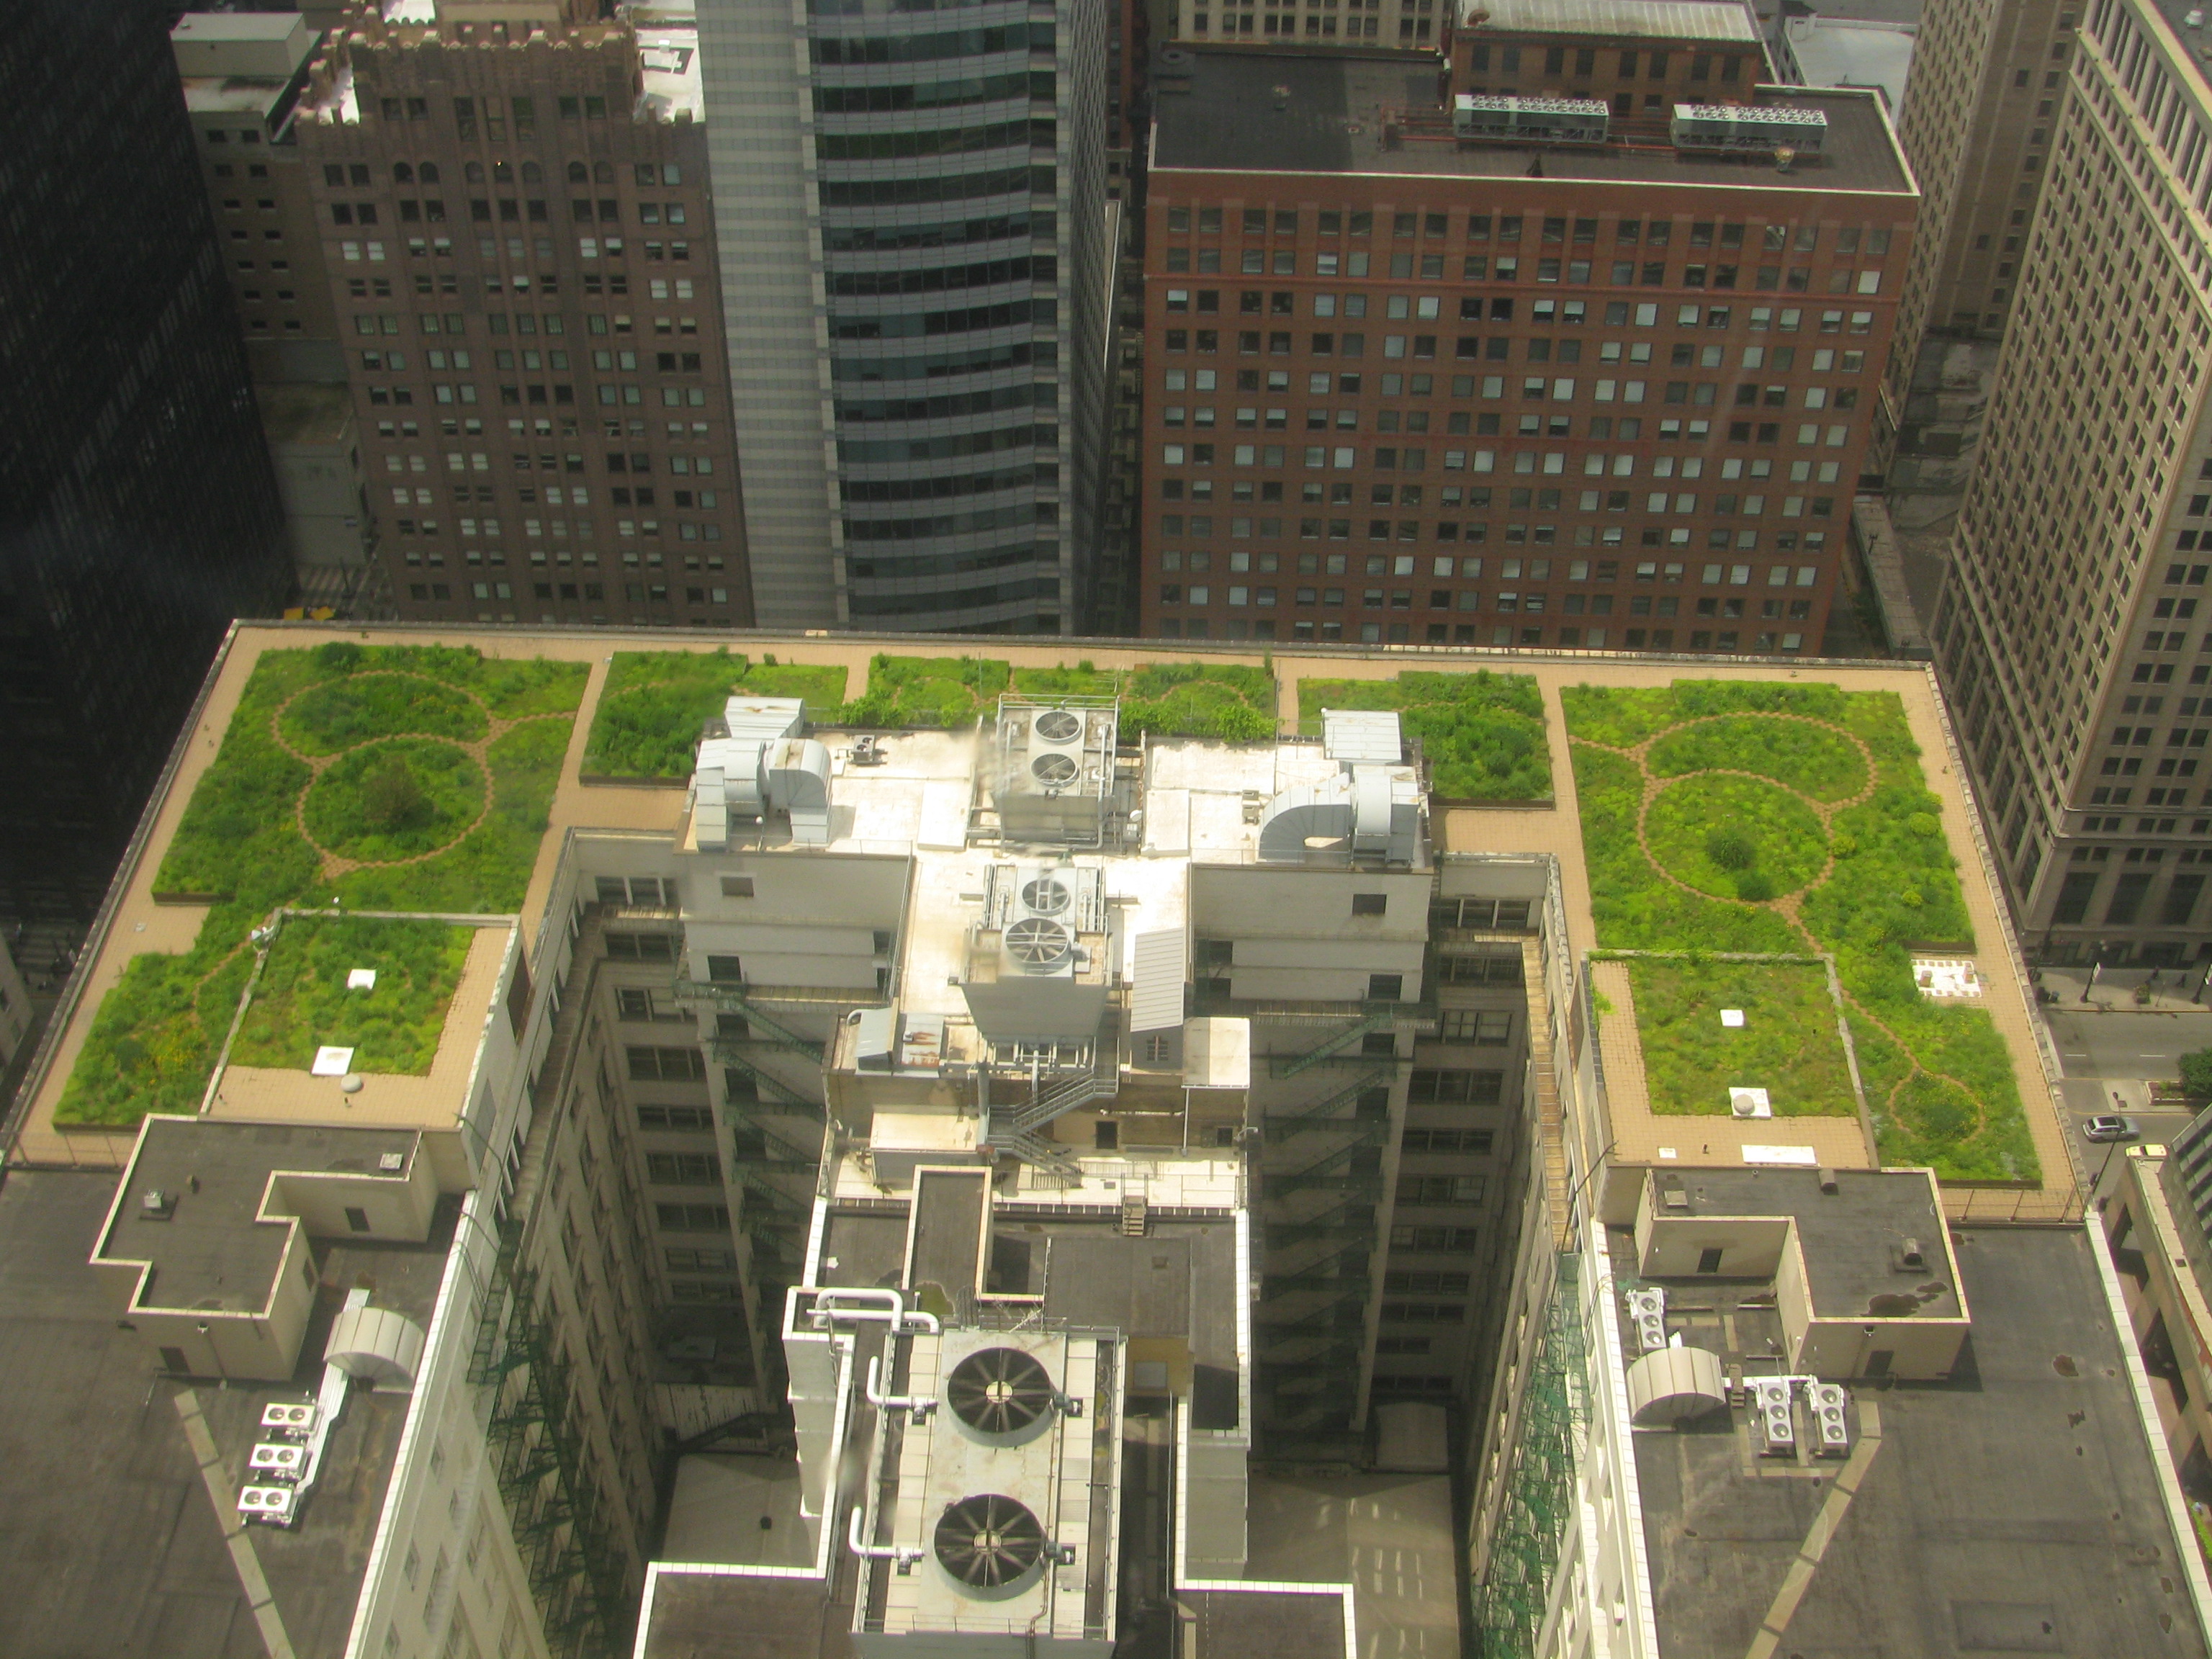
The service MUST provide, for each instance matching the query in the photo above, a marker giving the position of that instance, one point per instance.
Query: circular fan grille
(1035, 943)
(1053, 769)
(999, 1391)
(1058, 726)
(1045, 895)
(988, 1540)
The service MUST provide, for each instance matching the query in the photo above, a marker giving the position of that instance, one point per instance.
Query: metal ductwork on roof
(1367, 812)
(757, 763)
(376, 1346)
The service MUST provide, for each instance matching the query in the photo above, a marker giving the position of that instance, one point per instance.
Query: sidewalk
(2119, 990)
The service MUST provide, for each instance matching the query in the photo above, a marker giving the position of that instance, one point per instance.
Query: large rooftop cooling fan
(1045, 895)
(1036, 942)
(1058, 726)
(988, 1541)
(999, 1391)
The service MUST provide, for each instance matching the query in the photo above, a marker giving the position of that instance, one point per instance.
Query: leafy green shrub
(655, 703)
(1482, 733)
(395, 800)
(2197, 1072)
(302, 1001)
(1081, 681)
(1755, 886)
(940, 691)
(1731, 849)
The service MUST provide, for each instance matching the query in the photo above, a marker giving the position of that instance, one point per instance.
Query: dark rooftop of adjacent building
(208, 1247)
(2013, 1508)
(139, 1566)
(1848, 1237)
(1220, 113)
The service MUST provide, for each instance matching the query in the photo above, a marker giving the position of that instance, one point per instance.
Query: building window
(1370, 904)
(1443, 1189)
(725, 970)
(651, 1065)
(688, 1119)
(641, 947)
(684, 1169)
(1473, 1142)
(737, 886)
(1385, 987)
(1453, 1086)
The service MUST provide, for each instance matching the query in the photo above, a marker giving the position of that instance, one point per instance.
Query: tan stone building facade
(2069, 628)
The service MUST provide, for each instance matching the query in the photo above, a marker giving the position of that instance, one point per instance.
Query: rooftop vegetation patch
(1483, 732)
(271, 824)
(1939, 1081)
(938, 691)
(655, 703)
(302, 1002)
(1787, 1045)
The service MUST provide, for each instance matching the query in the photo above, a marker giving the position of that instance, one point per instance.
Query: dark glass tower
(138, 508)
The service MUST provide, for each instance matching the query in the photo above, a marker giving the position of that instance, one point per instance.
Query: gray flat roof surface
(1228, 121)
(1848, 1235)
(110, 1542)
(2015, 1508)
(1660, 20)
(721, 1616)
(211, 1253)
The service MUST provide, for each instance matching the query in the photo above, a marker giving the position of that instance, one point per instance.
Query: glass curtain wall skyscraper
(915, 279)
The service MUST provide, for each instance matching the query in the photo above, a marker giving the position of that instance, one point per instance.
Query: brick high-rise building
(520, 253)
(2071, 627)
(1409, 385)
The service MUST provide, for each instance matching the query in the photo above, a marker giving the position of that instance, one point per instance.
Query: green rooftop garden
(1789, 818)
(409, 778)
(654, 704)
(1787, 1045)
(941, 691)
(1483, 732)
(302, 1001)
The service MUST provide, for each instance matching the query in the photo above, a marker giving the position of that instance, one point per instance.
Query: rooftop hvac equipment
(991, 1546)
(267, 1504)
(1673, 1385)
(1743, 129)
(376, 1346)
(1831, 1428)
(277, 1460)
(1038, 957)
(1531, 120)
(288, 1419)
(1772, 1417)
(1002, 1396)
(1647, 1311)
(1055, 770)
(756, 765)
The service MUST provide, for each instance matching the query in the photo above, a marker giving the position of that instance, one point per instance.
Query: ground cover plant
(1787, 1044)
(409, 778)
(302, 1001)
(1483, 732)
(939, 691)
(655, 703)
(1804, 862)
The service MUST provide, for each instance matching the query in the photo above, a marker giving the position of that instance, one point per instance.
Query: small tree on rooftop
(392, 799)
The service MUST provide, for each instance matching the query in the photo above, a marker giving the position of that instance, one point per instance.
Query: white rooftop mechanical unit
(1647, 1311)
(1369, 812)
(1831, 1427)
(753, 764)
(1772, 1417)
(990, 1522)
(1531, 120)
(1055, 773)
(1745, 129)
(1038, 955)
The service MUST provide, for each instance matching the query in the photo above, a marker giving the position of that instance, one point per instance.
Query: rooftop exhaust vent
(1004, 1395)
(991, 1544)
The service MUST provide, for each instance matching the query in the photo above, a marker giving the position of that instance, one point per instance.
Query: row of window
(1514, 603)
(1543, 313)
(1847, 239)
(1572, 639)
(1509, 268)
(516, 248)
(1536, 348)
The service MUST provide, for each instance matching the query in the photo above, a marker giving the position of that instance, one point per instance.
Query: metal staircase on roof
(775, 1092)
